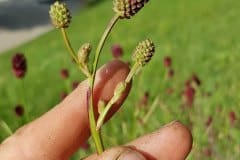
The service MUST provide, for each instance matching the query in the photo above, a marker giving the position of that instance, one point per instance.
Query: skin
(57, 134)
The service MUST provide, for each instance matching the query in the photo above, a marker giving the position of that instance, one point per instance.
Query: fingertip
(173, 142)
(120, 153)
(182, 137)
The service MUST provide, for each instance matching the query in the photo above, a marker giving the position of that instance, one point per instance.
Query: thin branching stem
(100, 45)
(68, 45)
(118, 93)
(97, 133)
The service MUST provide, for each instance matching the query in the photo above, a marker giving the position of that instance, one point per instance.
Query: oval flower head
(144, 52)
(128, 8)
(60, 15)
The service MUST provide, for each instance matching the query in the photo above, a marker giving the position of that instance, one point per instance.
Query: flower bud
(128, 8)
(19, 65)
(60, 15)
(83, 53)
(19, 110)
(144, 52)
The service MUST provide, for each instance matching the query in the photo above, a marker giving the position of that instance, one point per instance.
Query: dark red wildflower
(209, 121)
(144, 100)
(63, 95)
(64, 73)
(85, 146)
(196, 79)
(74, 84)
(188, 95)
(19, 110)
(167, 61)
(232, 117)
(19, 65)
(170, 73)
(117, 51)
(207, 152)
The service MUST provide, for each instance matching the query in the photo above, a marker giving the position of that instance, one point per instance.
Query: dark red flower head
(232, 117)
(196, 79)
(144, 100)
(85, 146)
(117, 51)
(75, 84)
(19, 65)
(188, 95)
(19, 110)
(167, 61)
(209, 121)
(63, 95)
(207, 152)
(64, 73)
(170, 73)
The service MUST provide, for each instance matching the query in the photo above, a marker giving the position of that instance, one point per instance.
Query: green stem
(132, 72)
(113, 100)
(117, 94)
(25, 104)
(7, 129)
(73, 54)
(68, 45)
(97, 133)
(101, 43)
(151, 110)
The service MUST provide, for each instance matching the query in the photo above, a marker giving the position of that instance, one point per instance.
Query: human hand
(60, 132)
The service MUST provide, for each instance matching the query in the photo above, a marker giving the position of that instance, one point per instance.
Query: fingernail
(131, 155)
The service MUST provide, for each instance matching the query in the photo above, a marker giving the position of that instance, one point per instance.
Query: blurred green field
(202, 37)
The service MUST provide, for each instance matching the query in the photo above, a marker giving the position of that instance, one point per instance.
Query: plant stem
(24, 101)
(4, 125)
(113, 100)
(101, 43)
(117, 94)
(97, 133)
(132, 72)
(73, 54)
(68, 45)
(151, 110)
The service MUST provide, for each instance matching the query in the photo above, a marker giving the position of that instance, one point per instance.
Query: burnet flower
(60, 15)
(19, 110)
(144, 52)
(19, 65)
(117, 51)
(83, 53)
(128, 8)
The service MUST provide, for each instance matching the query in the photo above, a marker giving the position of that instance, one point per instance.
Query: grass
(202, 37)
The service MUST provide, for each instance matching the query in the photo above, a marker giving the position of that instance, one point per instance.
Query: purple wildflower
(167, 61)
(64, 73)
(19, 65)
(117, 51)
(19, 110)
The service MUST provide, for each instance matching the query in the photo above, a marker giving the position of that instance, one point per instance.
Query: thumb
(118, 153)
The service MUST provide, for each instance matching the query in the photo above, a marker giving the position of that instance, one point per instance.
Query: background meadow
(193, 76)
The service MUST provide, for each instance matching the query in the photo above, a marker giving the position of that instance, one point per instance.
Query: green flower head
(144, 52)
(83, 53)
(60, 15)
